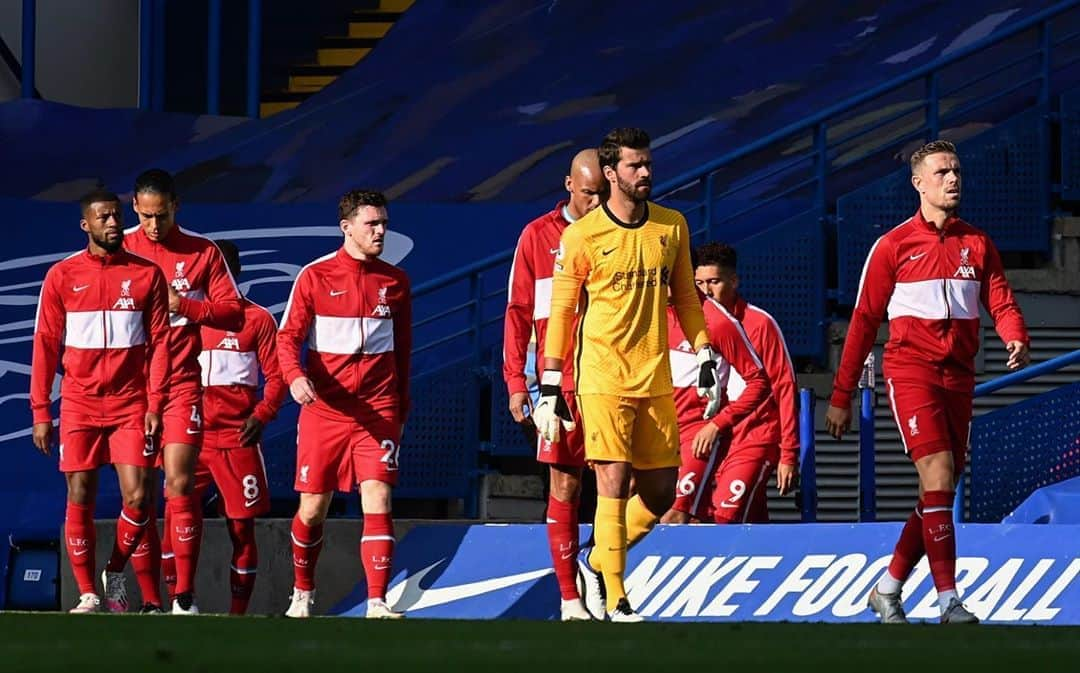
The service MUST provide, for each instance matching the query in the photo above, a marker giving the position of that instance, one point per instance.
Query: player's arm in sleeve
(520, 306)
(274, 390)
(295, 324)
(222, 308)
(729, 338)
(403, 340)
(156, 318)
(875, 288)
(684, 293)
(572, 266)
(49, 324)
(999, 301)
(781, 372)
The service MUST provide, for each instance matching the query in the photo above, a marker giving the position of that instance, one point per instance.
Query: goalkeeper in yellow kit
(616, 267)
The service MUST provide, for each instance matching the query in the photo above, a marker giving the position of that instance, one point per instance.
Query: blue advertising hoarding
(1006, 574)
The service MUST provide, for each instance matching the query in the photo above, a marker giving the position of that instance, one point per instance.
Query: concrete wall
(87, 53)
(336, 576)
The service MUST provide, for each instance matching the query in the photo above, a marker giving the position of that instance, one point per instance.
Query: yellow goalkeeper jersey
(621, 273)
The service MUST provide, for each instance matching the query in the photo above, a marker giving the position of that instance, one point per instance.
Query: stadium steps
(365, 26)
(897, 485)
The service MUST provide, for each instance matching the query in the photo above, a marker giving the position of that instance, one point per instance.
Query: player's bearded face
(102, 222)
(633, 174)
(365, 231)
(157, 214)
(939, 181)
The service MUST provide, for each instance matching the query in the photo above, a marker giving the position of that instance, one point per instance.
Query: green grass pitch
(80, 644)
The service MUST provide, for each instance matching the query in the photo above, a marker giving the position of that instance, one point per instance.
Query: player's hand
(708, 385)
(1019, 356)
(519, 404)
(251, 431)
(174, 300)
(152, 424)
(552, 411)
(42, 435)
(302, 390)
(785, 477)
(837, 421)
(704, 441)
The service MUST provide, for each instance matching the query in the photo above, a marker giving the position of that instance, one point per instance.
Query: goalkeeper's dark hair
(97, 195)
(156, 181)
(611, 147)
(715, 254)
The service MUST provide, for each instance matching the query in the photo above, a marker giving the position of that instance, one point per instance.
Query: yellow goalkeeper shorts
(642, 431)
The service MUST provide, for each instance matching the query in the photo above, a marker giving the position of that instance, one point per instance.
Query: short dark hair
(932, 147)
(156, 181)
(231, 253)
(97, 195)
(616, 139)
(716, 254)
(354, 198)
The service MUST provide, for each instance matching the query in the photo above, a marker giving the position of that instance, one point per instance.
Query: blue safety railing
(867, 490)
(807, 456)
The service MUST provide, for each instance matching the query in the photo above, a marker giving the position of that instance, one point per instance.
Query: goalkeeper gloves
(708, 384)
(552, 411)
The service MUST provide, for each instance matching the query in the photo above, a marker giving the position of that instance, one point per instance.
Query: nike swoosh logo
(79, 288)
(915, 257)
(408, 595)
(185, 539)
(148, 453)
(569, 555)
(608, 252)
(249, 503)
(382, 567)
(728, 505)
(943, 537)
(554, 251)
(79, 553)
(192, 432)
(337, 293)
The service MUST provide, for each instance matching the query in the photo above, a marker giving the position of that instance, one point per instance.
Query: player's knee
(311, 511)
(565, 486)
(80, 489)
(179, 484)
(137, 500)
(375, 496)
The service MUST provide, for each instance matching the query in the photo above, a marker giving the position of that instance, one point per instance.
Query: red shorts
(182, 417)
(340, 454)
(238, 472)
(693, 490)
(87, 442)
(740, 494)
(931, 419)
(570, 448)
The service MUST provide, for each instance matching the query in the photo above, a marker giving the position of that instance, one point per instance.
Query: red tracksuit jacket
(528, 303)
(357, 319)
(734, 351)
(111, 314)
(930, 285)
(777, 421)
(194, 267)
(230, 364)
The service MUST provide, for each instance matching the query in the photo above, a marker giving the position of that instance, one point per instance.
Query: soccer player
(725, 484)
(233, 422)
(201, 292)
(626, 256)
(929, 275)
(355, 312)
(527, 309)
(108, 309)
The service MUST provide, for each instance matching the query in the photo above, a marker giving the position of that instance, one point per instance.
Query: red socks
(909, 548)
(185, 533)
(130, 527)
(79, 538)
(939, 538)
(146, 562)
(562, 532)
(377, 552)
(306, 544)
(245, 563)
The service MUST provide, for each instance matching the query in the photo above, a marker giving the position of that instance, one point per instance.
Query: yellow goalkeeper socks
(609, 554)
(639, 521)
